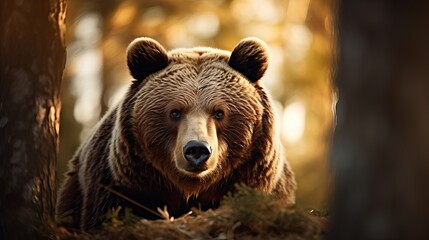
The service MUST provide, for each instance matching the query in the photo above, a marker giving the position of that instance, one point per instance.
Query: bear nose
(197, 152)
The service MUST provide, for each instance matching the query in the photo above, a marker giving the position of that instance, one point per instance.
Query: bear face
(196, 115)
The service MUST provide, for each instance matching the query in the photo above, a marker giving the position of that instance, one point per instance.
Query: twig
(132, 201)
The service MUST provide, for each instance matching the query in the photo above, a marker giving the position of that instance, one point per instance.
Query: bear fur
(136, 151)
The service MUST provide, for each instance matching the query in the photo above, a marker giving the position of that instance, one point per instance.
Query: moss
(249, 214)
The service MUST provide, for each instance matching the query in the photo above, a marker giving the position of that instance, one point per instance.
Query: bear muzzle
(196, 154)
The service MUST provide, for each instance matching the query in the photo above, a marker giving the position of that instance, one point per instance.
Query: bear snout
(197, 153)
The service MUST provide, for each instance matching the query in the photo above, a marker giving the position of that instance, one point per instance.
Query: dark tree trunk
(381, 145)
(31, 65)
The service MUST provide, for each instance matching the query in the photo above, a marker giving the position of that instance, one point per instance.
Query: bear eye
(176, 114)
(218, 114)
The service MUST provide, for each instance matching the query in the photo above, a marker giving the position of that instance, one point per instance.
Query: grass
(248, 214)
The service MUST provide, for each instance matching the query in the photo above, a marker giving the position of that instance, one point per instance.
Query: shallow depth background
(298, 33)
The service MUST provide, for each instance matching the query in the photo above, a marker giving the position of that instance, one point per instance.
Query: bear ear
(250, 57)
(144, 57)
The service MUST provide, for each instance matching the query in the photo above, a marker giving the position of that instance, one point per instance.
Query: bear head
(196, 115)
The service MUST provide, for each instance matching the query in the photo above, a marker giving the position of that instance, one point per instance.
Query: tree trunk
(380, 150)
(31, 65)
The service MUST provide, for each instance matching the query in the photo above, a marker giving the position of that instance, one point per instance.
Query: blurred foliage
(249, 214)
(298, 32)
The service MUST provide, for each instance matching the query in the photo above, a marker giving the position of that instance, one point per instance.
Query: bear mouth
(196, 169)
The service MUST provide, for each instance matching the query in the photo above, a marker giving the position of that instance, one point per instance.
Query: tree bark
(31, 65)
(380, 149)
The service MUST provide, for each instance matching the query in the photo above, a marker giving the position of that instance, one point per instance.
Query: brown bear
(193, 124)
